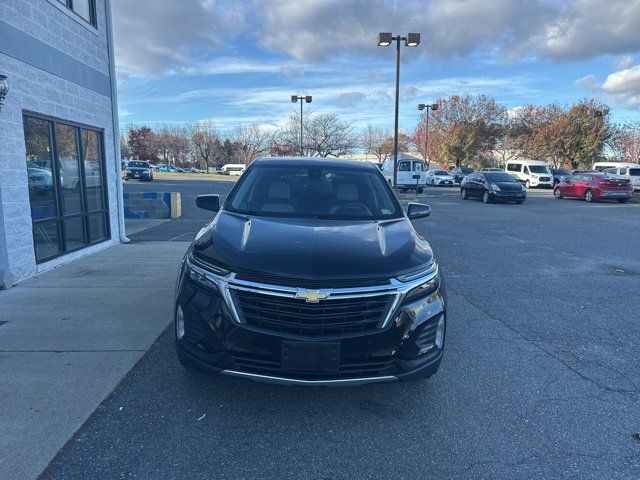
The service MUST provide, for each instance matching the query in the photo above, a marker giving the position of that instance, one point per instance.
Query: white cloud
(621, 87)
(624, 61)
(163, 36)
(624, 87)
(160, 36)
(588, 82)
(587, 28)
(318, 29)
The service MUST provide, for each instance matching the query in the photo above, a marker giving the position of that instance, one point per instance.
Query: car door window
(417, 166)
(404, 167)
(526, 170)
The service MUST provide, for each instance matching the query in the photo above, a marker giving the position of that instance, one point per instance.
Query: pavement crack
(547, 352)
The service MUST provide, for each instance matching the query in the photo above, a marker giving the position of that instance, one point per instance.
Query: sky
(237, 62)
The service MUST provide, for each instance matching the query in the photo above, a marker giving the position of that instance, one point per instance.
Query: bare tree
(285, 141)
(328, 136)
(179, 145)
(205, 141)
(507, 145)
(251, 141)
(372, 141)
(625, 142)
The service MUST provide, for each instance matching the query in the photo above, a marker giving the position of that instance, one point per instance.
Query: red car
(594, 186)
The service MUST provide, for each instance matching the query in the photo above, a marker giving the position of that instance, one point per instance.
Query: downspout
(116, 123)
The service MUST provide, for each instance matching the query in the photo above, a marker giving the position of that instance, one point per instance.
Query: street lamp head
(308, 98)
(434, 107)
(294, 98)
(421, 106)
(385, 39)
(413, 40)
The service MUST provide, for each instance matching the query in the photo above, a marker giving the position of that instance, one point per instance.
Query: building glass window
(84, 8)
(65, 169)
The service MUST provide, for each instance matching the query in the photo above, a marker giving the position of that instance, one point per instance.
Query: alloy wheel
(588, 196)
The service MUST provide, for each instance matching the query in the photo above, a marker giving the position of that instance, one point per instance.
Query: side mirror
(208, 202)
(418, 210)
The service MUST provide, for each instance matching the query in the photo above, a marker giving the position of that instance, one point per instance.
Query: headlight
(128, 171)
(522, 188)
(495, 187)
(422, 289)
(206, 273)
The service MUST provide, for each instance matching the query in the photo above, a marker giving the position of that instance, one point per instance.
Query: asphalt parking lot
(539, 379)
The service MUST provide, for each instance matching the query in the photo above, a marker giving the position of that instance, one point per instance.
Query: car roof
(315, 162)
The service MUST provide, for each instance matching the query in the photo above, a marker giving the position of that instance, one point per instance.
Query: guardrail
(152, 205)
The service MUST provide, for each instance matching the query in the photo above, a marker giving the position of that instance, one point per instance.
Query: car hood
(312, 249)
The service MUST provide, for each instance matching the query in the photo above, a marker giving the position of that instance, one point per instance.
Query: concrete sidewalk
(67, 338)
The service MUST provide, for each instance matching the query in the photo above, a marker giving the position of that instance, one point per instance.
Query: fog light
(179, 323)
(440, 333)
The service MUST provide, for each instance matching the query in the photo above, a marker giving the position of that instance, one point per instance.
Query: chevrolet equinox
(311, 273)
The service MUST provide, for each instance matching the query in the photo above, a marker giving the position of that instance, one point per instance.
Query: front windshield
(634, 172)
(467, 170)
(499, 177)
(441, 172)
(138, 165)
(538, 169)
(328, 193)
(560, 171)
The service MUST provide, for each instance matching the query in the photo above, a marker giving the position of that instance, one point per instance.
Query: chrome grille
(296, 316)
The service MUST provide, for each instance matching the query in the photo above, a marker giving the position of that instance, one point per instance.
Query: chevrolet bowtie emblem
(312, 296)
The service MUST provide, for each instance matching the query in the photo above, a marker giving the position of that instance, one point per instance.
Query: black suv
(311, 273)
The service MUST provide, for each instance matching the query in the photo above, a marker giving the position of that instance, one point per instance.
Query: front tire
(527, 184)
(623, 200)
(464, 194)
(557, 193)
(588, 196)
(519, 202)
(486, 198)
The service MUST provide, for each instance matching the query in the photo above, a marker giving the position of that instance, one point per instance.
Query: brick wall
(54, 24)
(37, 90)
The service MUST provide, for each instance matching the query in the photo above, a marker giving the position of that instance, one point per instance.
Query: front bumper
(443, 181)
(214, 342)
(138, 175)
(505, 195)
(534, 182)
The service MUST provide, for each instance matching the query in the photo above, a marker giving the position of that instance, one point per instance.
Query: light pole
(434, 107)
(384, 40)
(294, 99)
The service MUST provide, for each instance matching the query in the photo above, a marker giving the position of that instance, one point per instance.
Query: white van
(233, 169)
(622, 169)
(407, 168)
(533, 173)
